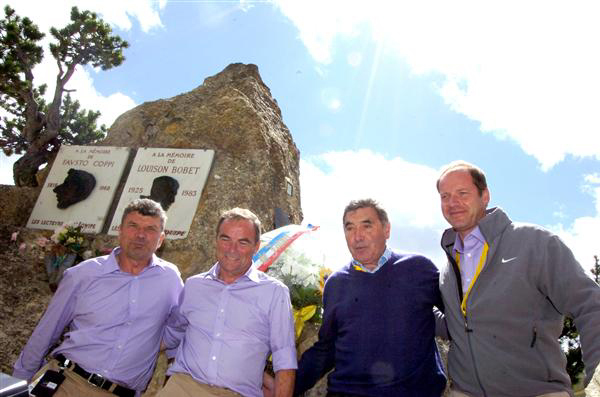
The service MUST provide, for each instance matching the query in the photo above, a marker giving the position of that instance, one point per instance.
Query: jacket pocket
(535, 344)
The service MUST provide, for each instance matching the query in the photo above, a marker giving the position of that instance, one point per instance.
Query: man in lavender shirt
(115, 307)
(228, 321)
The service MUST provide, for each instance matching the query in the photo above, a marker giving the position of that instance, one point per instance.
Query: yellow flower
(324, 273)
(301, 316)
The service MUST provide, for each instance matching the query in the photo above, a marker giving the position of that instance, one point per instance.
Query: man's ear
(161, 239)
(386, 228)
(257, 247)
(486, 196)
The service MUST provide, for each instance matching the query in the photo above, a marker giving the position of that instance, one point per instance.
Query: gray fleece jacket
(507, 343)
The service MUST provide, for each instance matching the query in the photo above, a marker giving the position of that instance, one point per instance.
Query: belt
(94, 379)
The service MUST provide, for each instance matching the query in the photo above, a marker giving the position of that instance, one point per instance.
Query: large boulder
(255, 160)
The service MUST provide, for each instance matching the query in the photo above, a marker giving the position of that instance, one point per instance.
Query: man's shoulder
(340, 275)
(409, 259)
(89, 266)
(170, 268)
(264, 279)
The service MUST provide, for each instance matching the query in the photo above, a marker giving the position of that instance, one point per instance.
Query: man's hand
(268, 385)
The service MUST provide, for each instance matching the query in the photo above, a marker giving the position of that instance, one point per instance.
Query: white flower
(87, 254)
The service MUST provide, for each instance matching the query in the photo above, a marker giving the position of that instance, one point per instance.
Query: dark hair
(146, 207)
(367, 203)
(477, 174)
(241, 214)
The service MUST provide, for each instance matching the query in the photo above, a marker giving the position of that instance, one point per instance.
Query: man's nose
(453, 199)
(358, 234)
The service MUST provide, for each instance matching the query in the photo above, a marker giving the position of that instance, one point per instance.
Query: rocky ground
(25, 295)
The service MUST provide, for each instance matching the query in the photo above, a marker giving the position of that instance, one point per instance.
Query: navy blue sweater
(378, 332)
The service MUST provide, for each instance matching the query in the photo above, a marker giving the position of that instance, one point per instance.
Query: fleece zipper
(468, 331)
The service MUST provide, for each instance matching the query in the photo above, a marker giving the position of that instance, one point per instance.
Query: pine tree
(29, 124)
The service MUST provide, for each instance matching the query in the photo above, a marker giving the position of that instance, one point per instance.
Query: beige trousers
(455, 393)
(73, 385)
(183, 385)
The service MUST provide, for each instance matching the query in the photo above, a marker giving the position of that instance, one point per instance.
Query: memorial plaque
(80, 187)
(174, 178)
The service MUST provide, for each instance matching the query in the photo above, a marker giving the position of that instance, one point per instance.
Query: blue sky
(378, 96)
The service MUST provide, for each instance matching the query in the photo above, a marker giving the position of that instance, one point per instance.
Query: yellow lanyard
(463, 305)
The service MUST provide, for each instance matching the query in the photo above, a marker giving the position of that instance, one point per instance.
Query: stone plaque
(80, 187)
(173, 177)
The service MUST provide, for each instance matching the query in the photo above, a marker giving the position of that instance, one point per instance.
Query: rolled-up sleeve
(282, 335)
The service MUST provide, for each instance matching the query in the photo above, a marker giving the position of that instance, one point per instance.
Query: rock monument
(256, 163)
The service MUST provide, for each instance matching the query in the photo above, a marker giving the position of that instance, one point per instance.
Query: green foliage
(596, 269)
(569, 338)
(27, 123)
(87, 40)
(19, 53)
(79, 126)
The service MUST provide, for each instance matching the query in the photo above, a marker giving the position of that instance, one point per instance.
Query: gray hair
(146, 207)
(367, 203)
(241, 214)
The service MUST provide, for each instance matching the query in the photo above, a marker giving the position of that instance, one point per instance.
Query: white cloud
(330, 97)
(116, 13)
(406, 190)
(6, 166)
(355, 59)
(582, 235)
(111, 106)
(526, 71)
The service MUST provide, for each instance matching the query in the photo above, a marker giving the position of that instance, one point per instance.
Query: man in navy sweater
(378, 322)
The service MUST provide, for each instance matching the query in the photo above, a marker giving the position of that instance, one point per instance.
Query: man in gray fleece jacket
(506, 290)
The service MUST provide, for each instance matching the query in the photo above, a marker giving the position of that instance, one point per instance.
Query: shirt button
(133, 301)
(214, 358)
(128, 322)
(218, 334)
(105, 371)
(222, 310)
(120, 346)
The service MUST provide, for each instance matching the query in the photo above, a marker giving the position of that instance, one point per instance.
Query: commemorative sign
(172, 177)
(79, 188)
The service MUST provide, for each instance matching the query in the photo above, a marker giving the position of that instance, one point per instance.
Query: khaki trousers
(455, 393)
(73, 385)
(183, 385)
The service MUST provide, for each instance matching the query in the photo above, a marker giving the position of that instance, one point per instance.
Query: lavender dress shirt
(227, 330)
(470, 252)
(116, 320)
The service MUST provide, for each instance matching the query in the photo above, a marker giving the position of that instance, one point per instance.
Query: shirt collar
(113, 264)
(473, 239)
(387, 253)
(251, 274)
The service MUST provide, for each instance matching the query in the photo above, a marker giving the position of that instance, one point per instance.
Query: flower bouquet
(291, 256)
(65, 248)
